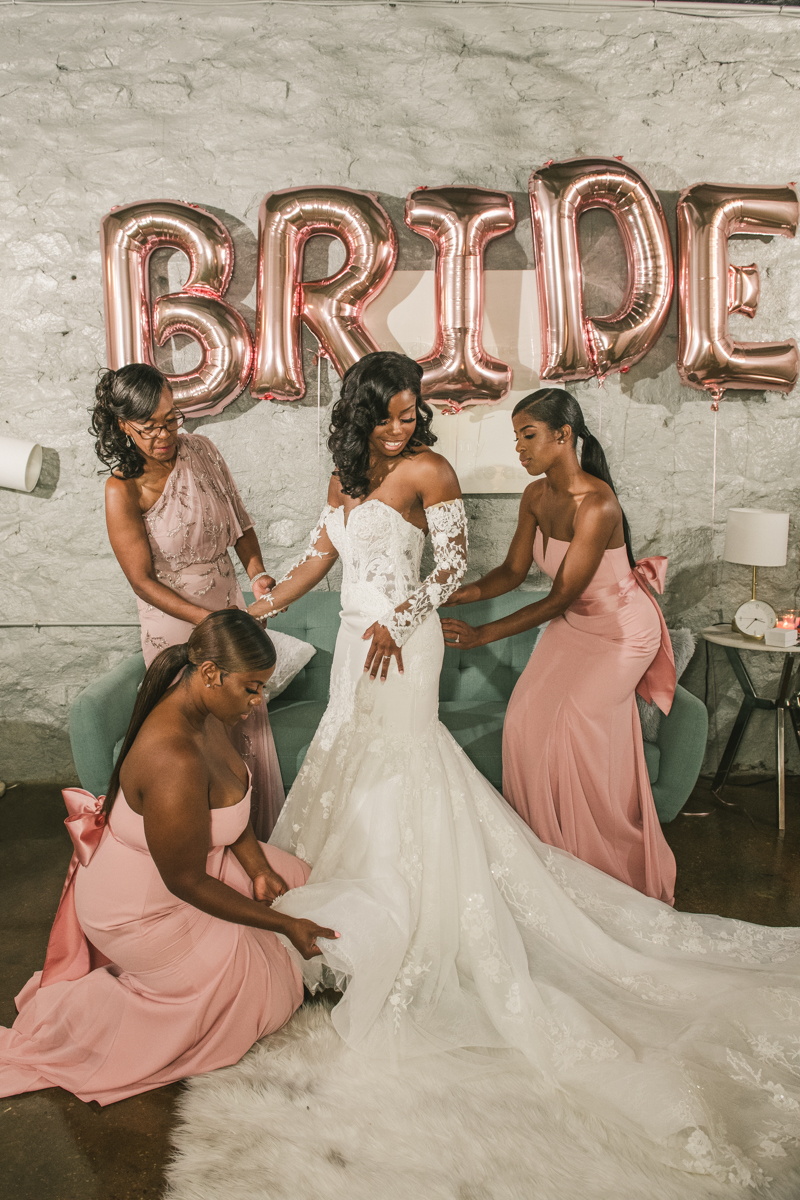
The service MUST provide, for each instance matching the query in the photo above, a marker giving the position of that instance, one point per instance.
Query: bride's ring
(457, 636)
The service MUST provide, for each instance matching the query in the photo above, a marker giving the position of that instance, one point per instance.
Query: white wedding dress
(461, 930)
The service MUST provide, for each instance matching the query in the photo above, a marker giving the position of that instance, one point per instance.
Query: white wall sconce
(20, 464)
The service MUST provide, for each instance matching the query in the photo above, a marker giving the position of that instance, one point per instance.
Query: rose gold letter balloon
(575, 346)
(332, 308)
(710, 288)
(460, 221)
(128, 236)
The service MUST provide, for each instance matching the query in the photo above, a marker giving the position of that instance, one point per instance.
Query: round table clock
(753, 619)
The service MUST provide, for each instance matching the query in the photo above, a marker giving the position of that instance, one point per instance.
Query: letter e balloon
(710, 288)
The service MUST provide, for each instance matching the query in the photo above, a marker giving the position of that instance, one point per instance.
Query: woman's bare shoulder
(532, 495)
(164, 753)
(122, 493)
(599, 507)
(426, 464)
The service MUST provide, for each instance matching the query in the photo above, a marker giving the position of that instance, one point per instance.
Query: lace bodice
(381, 554)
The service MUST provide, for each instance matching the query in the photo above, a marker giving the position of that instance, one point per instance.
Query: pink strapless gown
(573, 758)
(190, 527)
(139, 988)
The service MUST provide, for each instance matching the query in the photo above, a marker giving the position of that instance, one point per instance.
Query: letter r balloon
(460, 221)
(332, 307)
(574, 345)
(128, 236)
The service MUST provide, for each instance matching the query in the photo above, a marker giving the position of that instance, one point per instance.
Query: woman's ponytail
(557, 408)
(593, 462)
(155, 685)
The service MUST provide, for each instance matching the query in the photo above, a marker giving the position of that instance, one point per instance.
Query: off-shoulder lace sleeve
(318, 557)
(447, 523)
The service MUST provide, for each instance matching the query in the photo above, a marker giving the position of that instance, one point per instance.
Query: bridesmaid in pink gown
(172, 510)
(163, 960)
(573, 757)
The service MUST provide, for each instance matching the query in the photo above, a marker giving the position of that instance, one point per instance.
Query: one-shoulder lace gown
(460, 929)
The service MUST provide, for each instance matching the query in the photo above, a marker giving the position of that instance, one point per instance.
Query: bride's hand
(381, 652)
(268, 885)
(303, 936)
(460, 636)
(464, 595)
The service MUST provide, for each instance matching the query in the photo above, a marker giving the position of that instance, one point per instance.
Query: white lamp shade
(20, 464)
(756, 538)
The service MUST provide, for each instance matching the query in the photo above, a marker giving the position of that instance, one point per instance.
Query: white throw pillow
(292, 657)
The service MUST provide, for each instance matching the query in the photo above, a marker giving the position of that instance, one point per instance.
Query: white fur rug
(302, 1117)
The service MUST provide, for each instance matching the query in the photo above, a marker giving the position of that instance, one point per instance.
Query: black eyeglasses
(169, 426)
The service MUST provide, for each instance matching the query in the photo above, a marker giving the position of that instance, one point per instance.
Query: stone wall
(108, 104)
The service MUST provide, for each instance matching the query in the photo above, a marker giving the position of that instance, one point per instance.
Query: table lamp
(755, 538)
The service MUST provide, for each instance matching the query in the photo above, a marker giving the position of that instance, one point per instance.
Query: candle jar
(788, 618)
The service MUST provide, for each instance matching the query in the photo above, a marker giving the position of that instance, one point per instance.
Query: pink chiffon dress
(573, 757)
(190, 527)
(139, 988)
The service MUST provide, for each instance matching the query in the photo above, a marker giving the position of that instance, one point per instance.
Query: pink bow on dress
(85, 823)
(69, 954)
(652, 572)
(657, 685)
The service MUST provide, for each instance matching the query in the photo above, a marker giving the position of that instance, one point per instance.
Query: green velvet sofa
(473, 693)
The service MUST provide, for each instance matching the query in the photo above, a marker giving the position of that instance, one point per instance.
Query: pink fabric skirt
(573, 757)
(184, 992)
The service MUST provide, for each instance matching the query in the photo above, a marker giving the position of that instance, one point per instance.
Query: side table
(733, 643)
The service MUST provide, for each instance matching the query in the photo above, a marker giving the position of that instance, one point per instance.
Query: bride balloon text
(459, 221)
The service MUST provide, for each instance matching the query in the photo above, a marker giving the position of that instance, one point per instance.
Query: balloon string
(713, 500)
(319, 421)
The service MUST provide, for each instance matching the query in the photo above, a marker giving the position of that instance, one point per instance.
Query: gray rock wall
(108, 104)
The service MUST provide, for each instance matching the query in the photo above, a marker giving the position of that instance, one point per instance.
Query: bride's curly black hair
(363, 403)
(130, 394)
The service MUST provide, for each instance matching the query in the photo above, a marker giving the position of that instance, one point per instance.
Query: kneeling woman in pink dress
(173, 510)
(573, 757)
(163, 960)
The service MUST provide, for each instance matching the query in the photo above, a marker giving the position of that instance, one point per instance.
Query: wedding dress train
(462, 931)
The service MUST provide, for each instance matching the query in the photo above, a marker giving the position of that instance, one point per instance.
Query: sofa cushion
(652, 756)
(477, 726)
(487, 672)
(313, 619)
(293, 727)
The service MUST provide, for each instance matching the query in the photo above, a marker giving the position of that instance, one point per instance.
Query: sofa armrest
(681, 740)
(99, 717)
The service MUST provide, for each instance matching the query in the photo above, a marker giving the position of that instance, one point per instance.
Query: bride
(460, 929)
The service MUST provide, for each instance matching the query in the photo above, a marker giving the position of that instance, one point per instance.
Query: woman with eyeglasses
(172, 512)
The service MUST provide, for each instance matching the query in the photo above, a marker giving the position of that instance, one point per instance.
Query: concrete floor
(57, 1148)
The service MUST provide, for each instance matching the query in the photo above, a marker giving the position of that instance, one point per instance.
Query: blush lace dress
(461, 930)
(197, 517)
